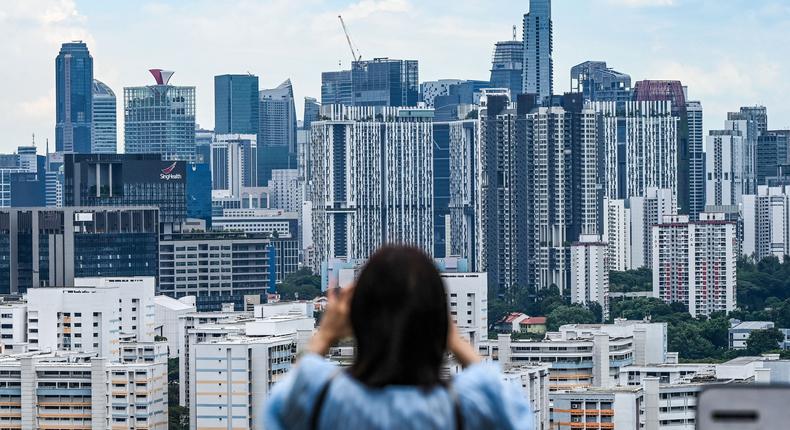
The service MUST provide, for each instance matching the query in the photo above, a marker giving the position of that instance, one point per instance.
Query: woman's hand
(336, 322)
(459, 347)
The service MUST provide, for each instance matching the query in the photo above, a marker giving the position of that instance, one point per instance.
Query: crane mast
(355, 56)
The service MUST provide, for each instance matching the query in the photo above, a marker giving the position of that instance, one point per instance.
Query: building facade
(336, 88)
(766, 223)
(276, 131)
(507, 66)
(73, 98)
(160, 119)
(236, 104)
(694, 262)
(597, 82)
(126, 180)
(429, 90)
(234, 162)
(590, 273)
(371, 180)
(53, 246)
(385, 82)
(104, 129)
(538, 47)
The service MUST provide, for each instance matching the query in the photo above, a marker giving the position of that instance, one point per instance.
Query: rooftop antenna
(34, 139)
(514, 33)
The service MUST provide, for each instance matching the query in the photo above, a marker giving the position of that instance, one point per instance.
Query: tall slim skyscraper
(236, 104)
(538, 46)
(385, 82)
(507, 66)
(276, 131)
(160, 119)
(105, 119)
(696, 175)
(234, 162)
(73, 98)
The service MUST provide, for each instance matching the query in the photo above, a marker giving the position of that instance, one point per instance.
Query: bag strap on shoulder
(315, 415)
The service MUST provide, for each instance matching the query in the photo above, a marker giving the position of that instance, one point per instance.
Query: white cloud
(643, 3)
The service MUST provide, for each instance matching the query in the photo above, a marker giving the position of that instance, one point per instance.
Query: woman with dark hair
(398, 314)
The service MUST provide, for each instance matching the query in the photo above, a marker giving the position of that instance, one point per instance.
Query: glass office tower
(236, 104)
(105, 119)
(385, 82)
(277, 131)
(73, 100)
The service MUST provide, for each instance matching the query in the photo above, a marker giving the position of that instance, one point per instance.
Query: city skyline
(650, 41)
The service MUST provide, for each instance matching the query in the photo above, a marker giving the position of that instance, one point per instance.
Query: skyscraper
(312, 112)
(599, 83)
(73, 98)
(336, 88)
(385, 82)
(538, 45)
(371, 180)
(726, 168)
(160, 119)
(105, 120)
(276, 131)
(234, 162)
(773, 151)
(236, 104)
(696, 174)
(507, 66)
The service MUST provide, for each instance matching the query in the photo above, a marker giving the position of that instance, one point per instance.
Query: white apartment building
(167, 312)
(285, 187)
(92, 316)
(13, 327)
(617, 234)
(766, 222)
(725, 167)
(468, 295)
(371, 180)
(236, 364)
(66, 391)
(257, 220)
(695, 262)
(646, 211)
(590, 272)
(234, 162)
(534, 381)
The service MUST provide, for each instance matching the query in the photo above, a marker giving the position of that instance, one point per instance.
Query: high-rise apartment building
(640, 147)
(590, 272)
(52, 246)
(236, 104)
(696, 157)
(285, 190)
(336, 88)
(748, 123)
(160, 119)
(73, 100)
(647, 211)
(599, 83)
(276, 131)
(694, 262)
(726, 167)
(766, 222)
(617, 234)
(371, 180)
(384, 82)
(675, 93)
(507, 66)
(127, 180)
(538, 46)
(234, 162)
(105, 120)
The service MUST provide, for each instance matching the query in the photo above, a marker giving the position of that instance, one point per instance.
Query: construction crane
(355, 55)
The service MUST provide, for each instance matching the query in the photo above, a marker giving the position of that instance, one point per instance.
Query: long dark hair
(400, 319)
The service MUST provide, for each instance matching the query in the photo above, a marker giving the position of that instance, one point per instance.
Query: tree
(761, 341)
(569, 314)
(597, 310)
(178, 416)
(631, 280)
(300, 285)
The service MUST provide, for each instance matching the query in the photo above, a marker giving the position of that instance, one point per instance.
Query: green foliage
(300, 285)
(178, 416)
(569, 314)
(158, 338)
(762, 341)
(527, 301)
(631, 280)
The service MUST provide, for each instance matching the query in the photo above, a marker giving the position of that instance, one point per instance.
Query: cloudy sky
(730, 53)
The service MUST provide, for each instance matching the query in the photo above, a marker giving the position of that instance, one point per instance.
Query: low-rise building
(740, 331)
(167, 311)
